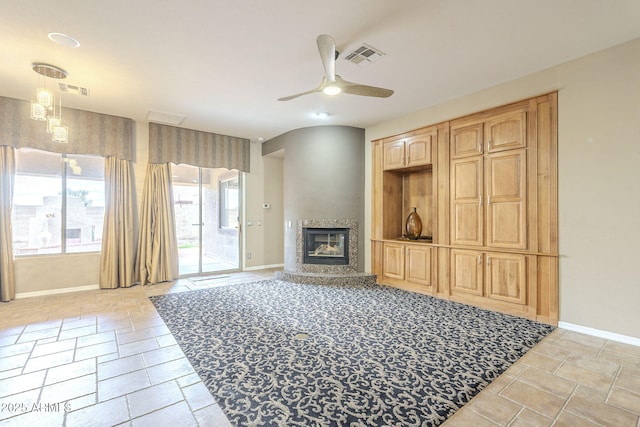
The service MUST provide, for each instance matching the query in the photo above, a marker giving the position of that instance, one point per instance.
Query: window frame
(223, 188)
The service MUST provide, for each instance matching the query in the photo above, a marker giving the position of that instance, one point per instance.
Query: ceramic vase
(413, 225)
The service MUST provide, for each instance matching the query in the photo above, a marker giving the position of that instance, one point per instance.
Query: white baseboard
(57, 291)
(600, 333)
(263, 267)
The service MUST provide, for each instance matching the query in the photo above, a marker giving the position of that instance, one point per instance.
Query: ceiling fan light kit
(333, 84)
(332, 89)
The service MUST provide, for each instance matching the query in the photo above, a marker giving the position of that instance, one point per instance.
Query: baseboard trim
(57, 291)
(600, 333)
(263, 267)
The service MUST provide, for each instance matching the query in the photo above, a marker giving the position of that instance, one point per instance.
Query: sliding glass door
(207, 209)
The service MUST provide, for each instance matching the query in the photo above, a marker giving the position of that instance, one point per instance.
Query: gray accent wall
(324, 173)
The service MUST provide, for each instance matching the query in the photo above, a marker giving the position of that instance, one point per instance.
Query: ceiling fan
(333, 84)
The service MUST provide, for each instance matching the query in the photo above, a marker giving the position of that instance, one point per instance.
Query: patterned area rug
(277, 353)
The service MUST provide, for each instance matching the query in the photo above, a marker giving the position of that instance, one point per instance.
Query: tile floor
(105, 358)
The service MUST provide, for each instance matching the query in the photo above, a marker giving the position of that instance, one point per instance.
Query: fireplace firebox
(328, 246)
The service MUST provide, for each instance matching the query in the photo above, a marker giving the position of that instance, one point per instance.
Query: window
(229, 203)
(58, 203)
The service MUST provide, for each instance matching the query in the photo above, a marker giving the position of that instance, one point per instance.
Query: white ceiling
(224, 63)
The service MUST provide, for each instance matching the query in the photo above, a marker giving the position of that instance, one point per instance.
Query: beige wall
(264, 184)
(317, 160)
(64, 272)
(273, 231)
(599, 175)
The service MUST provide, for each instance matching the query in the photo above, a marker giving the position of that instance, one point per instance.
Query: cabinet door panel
(506, 277)
(394, 261)
(506, 199)
(466, 201)
(418, 149)
(418, 268)
(466, 140)
(466, 272)
(506, 131)
(393, 155)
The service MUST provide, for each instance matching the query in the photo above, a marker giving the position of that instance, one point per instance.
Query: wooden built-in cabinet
(408, 264)
(495, 275)
(409, 150)
(488, 200)
(471, 136)
(485, 186)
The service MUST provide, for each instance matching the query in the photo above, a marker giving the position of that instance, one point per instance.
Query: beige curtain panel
(89, 133)
(118, 255)
(157, 259)
(169, 144)
(7, 176)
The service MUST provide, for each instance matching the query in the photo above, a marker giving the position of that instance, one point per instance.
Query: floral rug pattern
(275, 353)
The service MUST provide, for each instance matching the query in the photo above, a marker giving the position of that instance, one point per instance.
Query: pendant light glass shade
(38, 112)
(60, 134)
(44, 98)
(51, 123)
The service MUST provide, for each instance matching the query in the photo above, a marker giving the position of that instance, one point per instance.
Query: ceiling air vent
(364, 55)
(76, 90)
(164, 118)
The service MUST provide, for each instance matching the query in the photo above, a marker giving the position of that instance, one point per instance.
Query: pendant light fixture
(44, 106)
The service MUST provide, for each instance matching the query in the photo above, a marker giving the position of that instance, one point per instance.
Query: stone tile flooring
(105, 358)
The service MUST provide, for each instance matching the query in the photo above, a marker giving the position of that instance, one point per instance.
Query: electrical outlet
(248, 255)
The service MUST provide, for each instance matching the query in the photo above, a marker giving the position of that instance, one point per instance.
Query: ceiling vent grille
(76, 90)
(164, 118)
(364, 55)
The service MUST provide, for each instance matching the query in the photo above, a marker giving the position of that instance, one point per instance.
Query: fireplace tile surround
(350, 224)
(323, 273)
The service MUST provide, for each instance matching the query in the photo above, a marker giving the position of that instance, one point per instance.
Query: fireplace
(326, 246)
(339, 255)
(326, 253)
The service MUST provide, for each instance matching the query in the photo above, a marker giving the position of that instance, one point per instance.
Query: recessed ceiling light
(63, 40)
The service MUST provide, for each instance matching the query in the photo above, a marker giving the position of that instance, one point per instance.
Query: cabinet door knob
(479, 259)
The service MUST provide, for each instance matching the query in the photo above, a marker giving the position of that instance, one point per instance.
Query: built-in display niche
(326, 246)
(404, 190)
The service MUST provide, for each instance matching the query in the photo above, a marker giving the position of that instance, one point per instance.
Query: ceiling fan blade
(318, 89)
(327, 50)
(362, 90)
(290, 97)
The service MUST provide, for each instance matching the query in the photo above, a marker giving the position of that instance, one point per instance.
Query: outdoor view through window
(58, 203)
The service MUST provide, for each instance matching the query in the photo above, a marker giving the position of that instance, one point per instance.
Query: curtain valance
(197, 148)
(89, 133)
